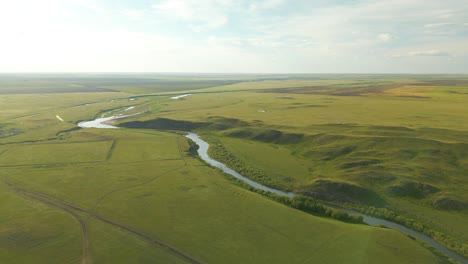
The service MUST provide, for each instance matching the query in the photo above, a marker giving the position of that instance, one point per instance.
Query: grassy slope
(196, 209)
(112, 245)
(450, 222)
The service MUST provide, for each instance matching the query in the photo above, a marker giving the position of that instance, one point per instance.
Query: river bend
(370, 220)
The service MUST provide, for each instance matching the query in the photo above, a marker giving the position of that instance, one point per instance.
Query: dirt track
(70, 208)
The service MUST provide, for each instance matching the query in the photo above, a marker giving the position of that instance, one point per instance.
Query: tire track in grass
(68, 207)
(111, 150)
(56, 205)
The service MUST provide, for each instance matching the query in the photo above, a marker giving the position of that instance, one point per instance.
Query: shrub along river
(373, 221)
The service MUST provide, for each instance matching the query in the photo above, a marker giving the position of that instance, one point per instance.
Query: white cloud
(199, 15)
(439, 25)
(384, 37)
(177, 8)
(265, 5)
(360, 26)
(313, 36)
(396, 55)
(428, 53)
(124, 51)
(134, 14)
(38, 15)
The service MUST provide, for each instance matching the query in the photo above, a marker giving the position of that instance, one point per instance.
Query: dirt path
(48, 202)
(69, 207)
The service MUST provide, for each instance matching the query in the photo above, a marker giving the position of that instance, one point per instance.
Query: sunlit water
(203, 152)
(99, 122)
(180, 96)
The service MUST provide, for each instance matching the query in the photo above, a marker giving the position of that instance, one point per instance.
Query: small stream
(370, 220)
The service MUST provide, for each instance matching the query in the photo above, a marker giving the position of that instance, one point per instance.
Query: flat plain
(137, 195)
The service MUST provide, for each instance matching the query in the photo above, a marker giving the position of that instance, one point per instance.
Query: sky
(234, 36)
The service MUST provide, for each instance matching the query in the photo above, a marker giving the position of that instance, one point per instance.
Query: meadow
(403, 148)
(132, 195)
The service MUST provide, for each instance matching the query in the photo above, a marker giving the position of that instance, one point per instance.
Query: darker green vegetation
(35, 90)
(193, 149)
(165, 124)
(413, 224)
(65, 133)
(213, 123)
(411, 189)
(311, 206)
(223, 123)
(266, 135)
(219, 153)
(341, 192)
(304, 203)
(337, 90)
(446, 203)
(8, 132)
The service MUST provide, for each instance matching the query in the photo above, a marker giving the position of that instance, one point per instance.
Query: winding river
(203, 152)
(370, 220)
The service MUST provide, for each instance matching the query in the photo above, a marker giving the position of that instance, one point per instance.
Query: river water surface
(100, 122)
(203, 152)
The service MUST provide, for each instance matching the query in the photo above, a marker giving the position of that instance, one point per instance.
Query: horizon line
(233, 73)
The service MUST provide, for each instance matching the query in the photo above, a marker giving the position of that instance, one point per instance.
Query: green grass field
(136, 195)
(31, 154)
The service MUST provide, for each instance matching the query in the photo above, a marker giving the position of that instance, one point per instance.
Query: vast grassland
(137, 195)
(403, 148)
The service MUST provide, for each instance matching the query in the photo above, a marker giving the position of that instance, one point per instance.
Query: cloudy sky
(269, 36)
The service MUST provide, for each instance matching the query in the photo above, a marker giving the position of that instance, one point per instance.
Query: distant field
(137, 195)
(132, 150)
(55, 153)
(136, 84)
